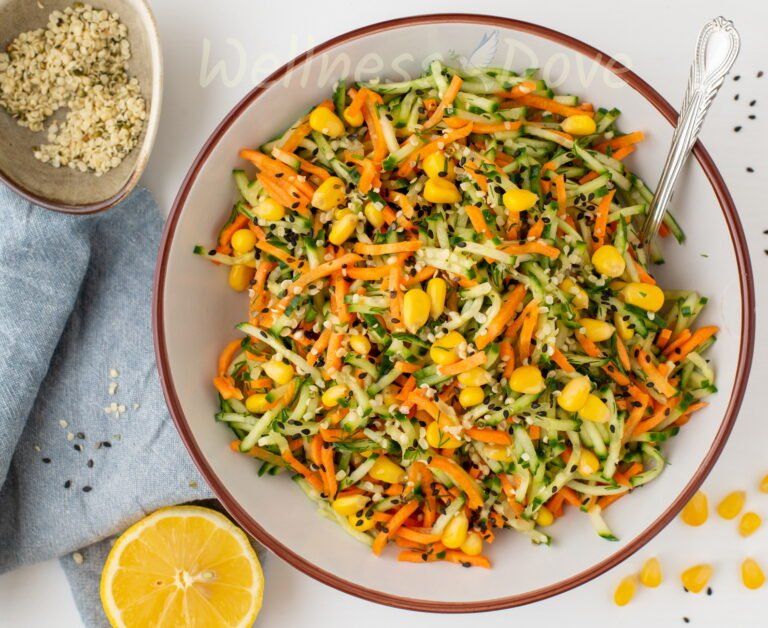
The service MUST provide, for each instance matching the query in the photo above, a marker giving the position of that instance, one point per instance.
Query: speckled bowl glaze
(64, 189)
(195, 313)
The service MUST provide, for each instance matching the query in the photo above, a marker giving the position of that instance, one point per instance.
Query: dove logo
(483, 54)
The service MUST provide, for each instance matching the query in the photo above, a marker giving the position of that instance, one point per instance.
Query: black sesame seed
(686, 620)
(89, 463)
(760, 74)
(68, 483)
(737, 77)
(750, 169)
(87, 489)
(752, 116)
(737, 128)
(78, 447)
(752, 103)
(106, 443)
(47, 460)
(709, 590)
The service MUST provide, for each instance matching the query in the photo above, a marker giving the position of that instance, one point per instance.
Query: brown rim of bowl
(742, 373)
(145, 148)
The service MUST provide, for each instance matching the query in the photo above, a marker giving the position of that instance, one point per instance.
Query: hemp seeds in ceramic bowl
(78, 62)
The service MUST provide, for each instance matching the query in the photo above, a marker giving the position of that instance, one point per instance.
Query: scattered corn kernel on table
(261, 36)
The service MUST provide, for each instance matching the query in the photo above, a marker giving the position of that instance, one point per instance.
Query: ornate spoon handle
(711, 64)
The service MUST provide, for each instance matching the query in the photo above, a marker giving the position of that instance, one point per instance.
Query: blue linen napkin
(86, 443)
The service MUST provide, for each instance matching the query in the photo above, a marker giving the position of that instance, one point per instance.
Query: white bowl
(195, 313)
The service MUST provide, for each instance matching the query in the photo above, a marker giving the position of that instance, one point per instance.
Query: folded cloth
(86, 443)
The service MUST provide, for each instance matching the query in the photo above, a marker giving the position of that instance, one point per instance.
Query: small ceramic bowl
(64, 189)
(195, 313)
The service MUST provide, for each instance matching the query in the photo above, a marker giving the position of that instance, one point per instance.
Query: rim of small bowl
(147, 143)
(746, 345)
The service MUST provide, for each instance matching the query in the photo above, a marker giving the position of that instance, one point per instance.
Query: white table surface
(653, 37)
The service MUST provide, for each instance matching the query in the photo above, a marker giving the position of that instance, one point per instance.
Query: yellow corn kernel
(763, 486)
(625, 591)
(436, 290)
(438, 439)
(622, 327)
(342, 229)
(279, 372)
(476, 376)
(415, 309)
(595, 410)
(455, 532)
(731, 504)
(257, 403)
(650, 574)
(437, 166)
(384, 470)
(588, 462)
(526, 380)
(443, 350)
(574, 394)
(579, 297)
(696, 578)
(333, 395)
(360, 344)
(330, 194)
(696, 511)
(517, 200)
(349, 504)
(240, 277)
(473, 544)
(499, 453)
(750, 522)
(353, 117)
(340, 213)
(441, 191)
(270, 210)
(751, 574)
(324, 121)
(545, 517)
(596, 330)
(243, 241)
(362, 523)
(643, 295)
(608, 261)
(374, 215)
(471, 396)
(579, 124)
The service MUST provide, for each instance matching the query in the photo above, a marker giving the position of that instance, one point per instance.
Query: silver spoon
(712, 62)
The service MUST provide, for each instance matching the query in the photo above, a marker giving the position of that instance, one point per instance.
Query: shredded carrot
(559, 359)
(536, 247)
(449, 370)
(698, 337)
(547, 104)
(505, 315)
(446, 101)
(225, 357)
(387, 249)
(621, 141)
(460, 478)
(478, 220)
(601, 221)
(225, 236)
(297, 466)
(226, 387)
